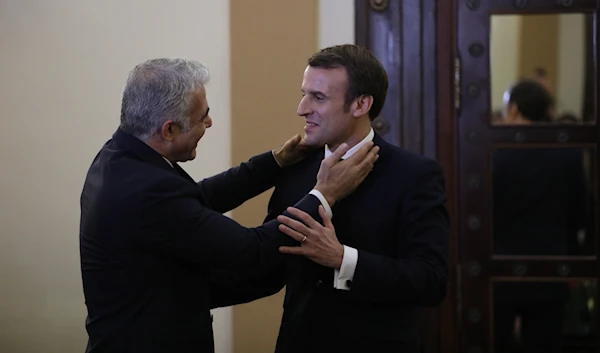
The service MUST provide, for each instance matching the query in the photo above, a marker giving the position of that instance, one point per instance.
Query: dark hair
(366, 75)
(532, 100)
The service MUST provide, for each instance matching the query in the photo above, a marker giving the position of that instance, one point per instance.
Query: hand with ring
(318, 242)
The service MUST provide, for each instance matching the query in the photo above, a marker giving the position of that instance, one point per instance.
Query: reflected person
(539, 205)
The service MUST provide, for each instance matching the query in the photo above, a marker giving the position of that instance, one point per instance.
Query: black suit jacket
(149, 235)
(398, 221)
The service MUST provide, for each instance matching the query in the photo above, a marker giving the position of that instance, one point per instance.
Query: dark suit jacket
(398, 221)
(149, 235)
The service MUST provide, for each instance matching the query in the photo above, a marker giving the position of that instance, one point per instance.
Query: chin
(312, 141)
(190, 157)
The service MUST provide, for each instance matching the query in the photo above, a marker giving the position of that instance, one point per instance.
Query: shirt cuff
(343, 277)
(324, 202)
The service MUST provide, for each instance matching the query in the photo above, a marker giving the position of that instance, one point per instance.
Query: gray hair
(159, 90)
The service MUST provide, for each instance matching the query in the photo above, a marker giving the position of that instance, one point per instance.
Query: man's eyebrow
(314, 93)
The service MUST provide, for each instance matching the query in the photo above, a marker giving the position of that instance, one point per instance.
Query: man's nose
(208, 122)
(304, 107)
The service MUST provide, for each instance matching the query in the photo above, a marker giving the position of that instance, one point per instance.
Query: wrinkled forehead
(328, 81)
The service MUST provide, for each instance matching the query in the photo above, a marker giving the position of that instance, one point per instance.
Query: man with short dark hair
(356, 281)
(527, 102)
(150, 234)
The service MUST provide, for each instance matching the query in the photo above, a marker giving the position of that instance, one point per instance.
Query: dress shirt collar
(354, 148)
(168, 161)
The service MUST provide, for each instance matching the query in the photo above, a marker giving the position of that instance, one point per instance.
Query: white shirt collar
(168, 161)
(354, 148)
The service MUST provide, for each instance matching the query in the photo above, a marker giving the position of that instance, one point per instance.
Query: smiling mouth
(308, 124)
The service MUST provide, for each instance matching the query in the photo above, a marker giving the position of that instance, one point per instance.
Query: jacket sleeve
(199, 235)
(230, 189)
(239, 286)
(230, 287)
(419, 275)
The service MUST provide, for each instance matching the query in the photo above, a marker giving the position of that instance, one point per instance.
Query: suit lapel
(370, 179)
(346, 207)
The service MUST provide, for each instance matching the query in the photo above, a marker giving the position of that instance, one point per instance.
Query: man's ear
(362, 105)
(513, 110)
(169, 130)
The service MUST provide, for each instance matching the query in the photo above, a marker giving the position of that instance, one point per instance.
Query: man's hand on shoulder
(293, 151)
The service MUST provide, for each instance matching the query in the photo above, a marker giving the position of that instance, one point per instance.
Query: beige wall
(539, 37)
(64, 64)
(504, 55)
(336, 22)
(571, 63)
(268, 56)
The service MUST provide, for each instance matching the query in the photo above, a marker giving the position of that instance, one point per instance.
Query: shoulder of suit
(142, 175)
(411, 167)
(408, 158)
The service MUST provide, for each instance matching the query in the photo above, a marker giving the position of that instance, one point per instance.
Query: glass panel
(542, 201)
(542, 69)
(548, 317)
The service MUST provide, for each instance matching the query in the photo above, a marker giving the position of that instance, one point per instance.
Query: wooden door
(450, 63)
(527, 192)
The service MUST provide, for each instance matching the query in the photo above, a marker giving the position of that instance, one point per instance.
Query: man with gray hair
(149, 234)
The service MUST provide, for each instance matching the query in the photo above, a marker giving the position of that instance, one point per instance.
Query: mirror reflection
(542, 201)
(548, 317)
(550, 52)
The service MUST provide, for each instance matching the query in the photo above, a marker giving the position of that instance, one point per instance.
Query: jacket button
(348, 283)
(318, 284)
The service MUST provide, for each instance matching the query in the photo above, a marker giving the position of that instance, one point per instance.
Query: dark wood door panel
(414, 40)
(402, 34)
